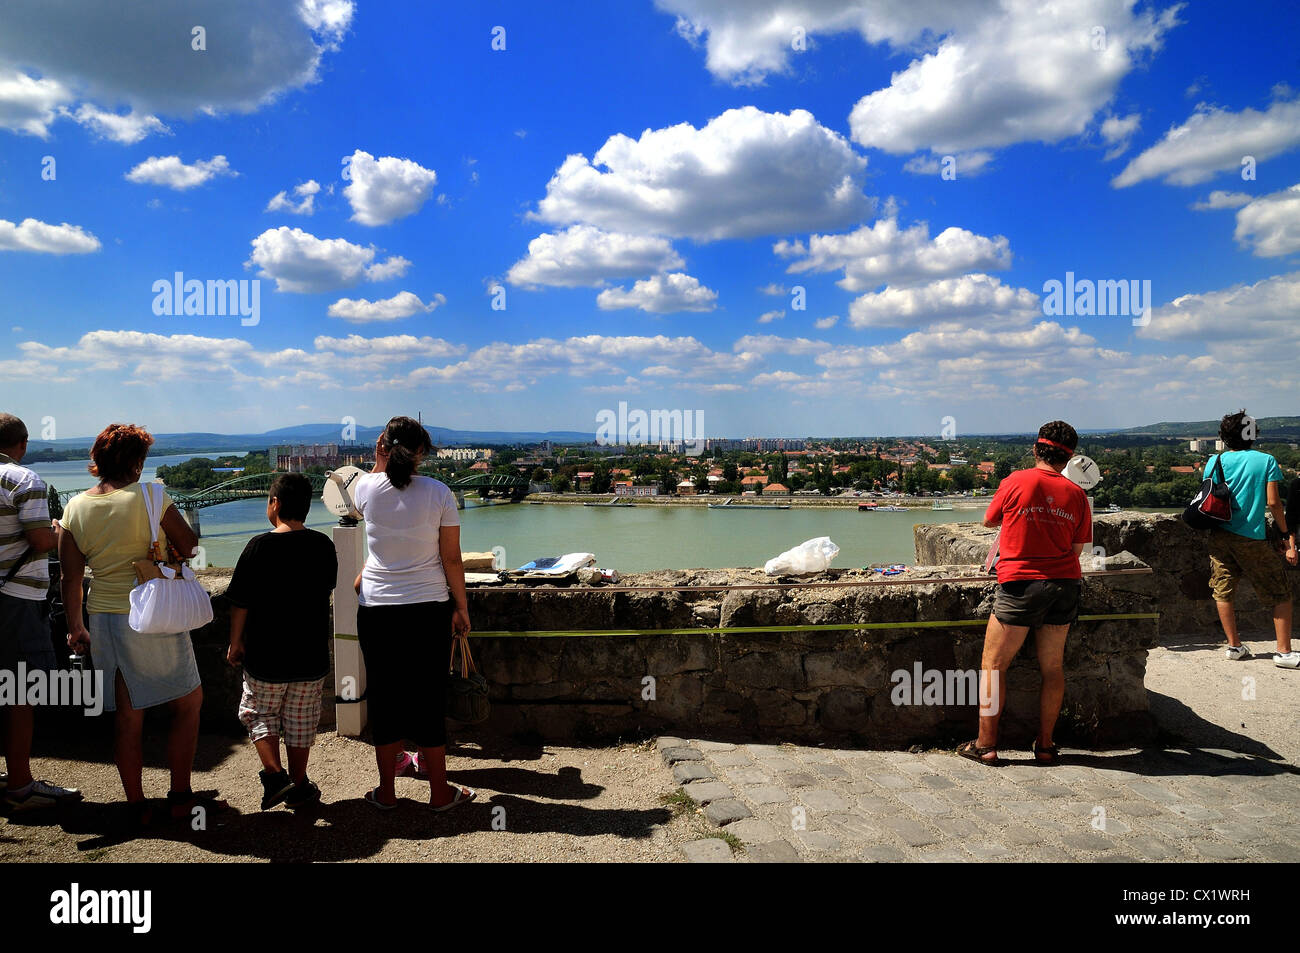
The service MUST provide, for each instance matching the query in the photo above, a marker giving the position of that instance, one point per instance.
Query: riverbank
(799, 502)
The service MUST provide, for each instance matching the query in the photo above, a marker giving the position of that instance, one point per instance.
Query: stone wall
(1176, 553)
(808, 686)
(789, 684)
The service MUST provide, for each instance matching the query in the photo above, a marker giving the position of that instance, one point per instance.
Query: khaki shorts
(1233, 556)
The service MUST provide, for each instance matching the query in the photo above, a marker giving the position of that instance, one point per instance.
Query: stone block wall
(782, 685)
(809, 686)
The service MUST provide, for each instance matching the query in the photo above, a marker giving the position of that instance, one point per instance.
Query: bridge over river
(258, 485)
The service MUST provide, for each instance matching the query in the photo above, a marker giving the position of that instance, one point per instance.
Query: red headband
(1053, 443)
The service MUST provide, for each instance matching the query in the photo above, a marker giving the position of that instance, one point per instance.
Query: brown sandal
(972, 751)
(1053, 755)
(182, 804)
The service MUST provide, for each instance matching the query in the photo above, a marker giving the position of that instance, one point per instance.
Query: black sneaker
(302, 794)
(275, 786)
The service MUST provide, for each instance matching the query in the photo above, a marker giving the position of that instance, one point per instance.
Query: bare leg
(297, 763)
(18, 745)
(434, 761)
(1228, 617)
(1282, 626)
(386, 761)
(268, 751)
(1051, 663)
(1001, 643)
(183, 738)
(127, 749)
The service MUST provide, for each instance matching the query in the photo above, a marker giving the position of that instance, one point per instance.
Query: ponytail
(401, 466)
(404, 440)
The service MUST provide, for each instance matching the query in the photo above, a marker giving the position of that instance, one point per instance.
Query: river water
(629, 539)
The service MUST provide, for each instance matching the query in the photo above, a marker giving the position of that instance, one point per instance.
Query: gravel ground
(535, 803)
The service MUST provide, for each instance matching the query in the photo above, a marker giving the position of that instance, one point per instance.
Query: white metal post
(349, 665)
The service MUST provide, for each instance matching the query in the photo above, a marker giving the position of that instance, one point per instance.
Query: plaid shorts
(1233, 556)
(290, 710)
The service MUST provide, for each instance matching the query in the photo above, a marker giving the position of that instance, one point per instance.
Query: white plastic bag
(168, 605)
(813, 555)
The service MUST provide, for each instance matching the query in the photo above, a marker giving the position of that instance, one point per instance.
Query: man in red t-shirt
(1046, 523)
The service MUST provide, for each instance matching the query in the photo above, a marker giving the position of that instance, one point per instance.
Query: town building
(296, 458)
(628, 489)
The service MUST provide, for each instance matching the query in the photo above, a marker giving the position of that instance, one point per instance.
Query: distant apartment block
(1205, 445)
(464, 454)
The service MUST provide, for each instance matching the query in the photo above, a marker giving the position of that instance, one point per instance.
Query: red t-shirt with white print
(1043, 514)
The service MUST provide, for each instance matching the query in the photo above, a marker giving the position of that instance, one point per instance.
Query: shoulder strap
(1218, 467)
(18, 564)
(153, 509)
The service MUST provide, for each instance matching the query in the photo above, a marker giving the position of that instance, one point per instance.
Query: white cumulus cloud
(1270, 225)
(965, 299)
(64, 52)
(885, 254)
(127, 128)
(171, 172)
(31, 235)
(306, 204)
(660, 294)
(1215, 140)
(300, 262)
(744, 173)
(385, 189)
(28, 105)
(401, 305)
(983, 73)
(1221, 199)
(1015, 71)
(585, 256)
(1116, 133)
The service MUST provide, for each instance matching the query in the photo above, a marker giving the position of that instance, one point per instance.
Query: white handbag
(167, 598)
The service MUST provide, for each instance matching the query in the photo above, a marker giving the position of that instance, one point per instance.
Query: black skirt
(406, 650)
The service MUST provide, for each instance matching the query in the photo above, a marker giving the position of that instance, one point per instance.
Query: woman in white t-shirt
(412, 595)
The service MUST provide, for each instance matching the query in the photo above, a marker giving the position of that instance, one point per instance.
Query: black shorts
(1034, 602)
(406, 649)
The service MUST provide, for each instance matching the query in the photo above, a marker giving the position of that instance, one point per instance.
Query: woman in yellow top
(107, 528)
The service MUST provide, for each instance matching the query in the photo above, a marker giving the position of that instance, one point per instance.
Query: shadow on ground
(343, 830)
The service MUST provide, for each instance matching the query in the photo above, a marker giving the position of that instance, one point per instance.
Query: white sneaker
(39, 794)
(1289, 660)
(1237, 653)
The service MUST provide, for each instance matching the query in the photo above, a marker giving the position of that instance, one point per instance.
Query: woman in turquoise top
(1240, 547)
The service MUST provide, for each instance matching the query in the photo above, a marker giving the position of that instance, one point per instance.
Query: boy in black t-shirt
(280, 630)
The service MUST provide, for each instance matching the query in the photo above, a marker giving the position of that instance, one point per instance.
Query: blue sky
(632, 176)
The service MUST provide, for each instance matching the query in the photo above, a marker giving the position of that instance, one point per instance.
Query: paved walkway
(1187, 800)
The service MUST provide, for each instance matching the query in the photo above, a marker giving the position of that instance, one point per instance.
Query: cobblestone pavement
(1191, 800)
(787, 803)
